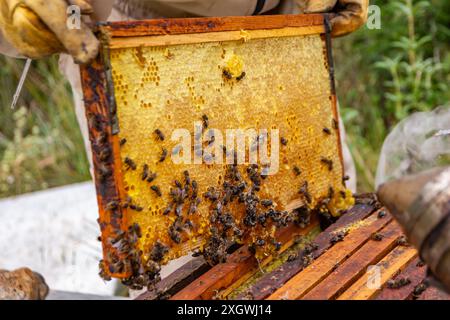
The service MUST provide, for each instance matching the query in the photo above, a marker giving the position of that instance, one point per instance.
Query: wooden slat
(105, 157)
(238, 264)
(275, 279)
(177, 280)
(303, 282)
(391, 265)
(208, 24)
(433, 293)
(170, 40)
(224, 293)
(354, 267)
(415, 272)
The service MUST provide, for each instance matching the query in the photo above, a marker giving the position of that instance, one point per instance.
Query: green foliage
(385, 75)
(40, 142)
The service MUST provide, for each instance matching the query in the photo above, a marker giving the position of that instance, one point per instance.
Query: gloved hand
(22, 284)
(38, 28)
(350, 14)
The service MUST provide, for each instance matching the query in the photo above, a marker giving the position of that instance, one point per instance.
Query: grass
(40, 142)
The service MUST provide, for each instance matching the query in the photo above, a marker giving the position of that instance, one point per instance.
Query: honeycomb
(269, 83)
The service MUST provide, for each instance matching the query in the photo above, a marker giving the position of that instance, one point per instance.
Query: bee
(179, 210)
(303, 216)
(226, 74)
(103, 273)
(237, 232)
(330, 192)
(157, 190)
(194, 189)
(264, 172)
(104, 154)
(95, 121)
(327, 162)
(297, 171)
(398, 283)
(193, 207)
(136, 229)
(239, 78)
(187, 178)
(196, 253)
(103, 173)
(292, 257)
(101, 139)
(419, 289)
(130, 163)
(307, 260)
(326, 130)
(116, 214)
(152, 176)
(252, 249)
(178, 184)
(310, 248)
(112, 205)
(168, 209)
(262, 220)
(266, 202)
(260, 242)
(277, 245)
(377, 236)
(283, 141)
(159, 134)
(402, 241)
(304, 191)
(334, 124)
(158, 251)
(163, 155)
(122, 141)
(115, 223)
(188, 224)
(344, 179)
(145, 172)
(381, 214)
(343, 194)
(337, 237)
(205, 121)
(136, 207)
(174, 235)
(126, 202)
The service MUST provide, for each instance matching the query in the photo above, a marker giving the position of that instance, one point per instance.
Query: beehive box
(210, 131)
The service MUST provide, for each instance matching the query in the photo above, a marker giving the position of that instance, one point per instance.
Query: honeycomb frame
(103, 105)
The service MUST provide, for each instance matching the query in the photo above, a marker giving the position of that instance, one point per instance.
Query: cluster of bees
(240, 188)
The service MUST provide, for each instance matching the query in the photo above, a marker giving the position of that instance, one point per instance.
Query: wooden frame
(100, 103)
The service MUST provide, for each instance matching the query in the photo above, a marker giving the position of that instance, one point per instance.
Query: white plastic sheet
(419, 142)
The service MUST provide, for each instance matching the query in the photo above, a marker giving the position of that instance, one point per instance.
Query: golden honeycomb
(269, 83)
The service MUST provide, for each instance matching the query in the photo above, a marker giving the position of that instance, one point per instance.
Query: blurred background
(382, 77)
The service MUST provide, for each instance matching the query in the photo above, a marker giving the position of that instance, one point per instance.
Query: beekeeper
(37, 28)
